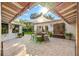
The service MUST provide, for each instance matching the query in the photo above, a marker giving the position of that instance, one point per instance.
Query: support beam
(69, 7)
(3, 15)
(1, 41)
(74, 14)
(74, 10)
(61, 16)
(6, 13)
(0, 30)
(9, 9)
(71, 18)
(2, 48)
(77, 40)
(17, 4)
(21, 11)
(5, 18)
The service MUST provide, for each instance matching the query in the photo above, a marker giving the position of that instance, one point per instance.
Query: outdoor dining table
(42, 34)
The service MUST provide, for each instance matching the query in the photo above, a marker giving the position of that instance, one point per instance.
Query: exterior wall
(71, 28)
(49, 24)
(51, 27)
(9, 35)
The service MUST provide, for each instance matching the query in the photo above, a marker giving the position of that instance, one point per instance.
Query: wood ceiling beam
(26, 6)
(7, 13)
(17, 5)
(71, 17)
(68, 7)
(69, 12)
(61, 16)
(3, 6)
(5, 16)
(74, 14)
(72, 20)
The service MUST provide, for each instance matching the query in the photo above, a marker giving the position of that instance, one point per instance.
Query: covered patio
(52, 23)
(26, 47)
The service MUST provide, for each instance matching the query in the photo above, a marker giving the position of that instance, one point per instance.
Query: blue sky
(35, 9)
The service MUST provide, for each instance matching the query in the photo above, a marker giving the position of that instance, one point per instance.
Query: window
(4, 29)
(15, 29)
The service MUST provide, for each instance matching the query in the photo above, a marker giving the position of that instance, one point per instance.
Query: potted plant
(50, 34)
(68, 36)
(19, 35)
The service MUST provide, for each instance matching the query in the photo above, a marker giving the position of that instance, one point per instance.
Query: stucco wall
(49, 24)
(71, 28)
(10, 35)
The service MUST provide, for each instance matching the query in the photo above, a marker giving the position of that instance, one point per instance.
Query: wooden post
(1, 42)
(77, 41)
(2, 48)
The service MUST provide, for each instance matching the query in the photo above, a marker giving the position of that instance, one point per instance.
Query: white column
(9, 28)
(9, 35)
(20, 29)
(35, 28)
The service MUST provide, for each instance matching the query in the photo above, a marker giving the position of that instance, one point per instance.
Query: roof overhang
(68, 11)
(10, 10)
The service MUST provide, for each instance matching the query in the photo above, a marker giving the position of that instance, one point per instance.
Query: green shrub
(22, 33)
(50, 34)
(40, 39)
(68, 36)
(19, 35)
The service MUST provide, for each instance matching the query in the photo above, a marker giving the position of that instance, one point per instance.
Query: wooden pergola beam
(10, 9)
(17, 5)
(72, 11)
(61, 16)
(66, 11)
(74, 14)
(28, 5)
(69, 7)
(3, 15)
(7, 13)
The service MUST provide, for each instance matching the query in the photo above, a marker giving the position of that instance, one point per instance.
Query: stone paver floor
(54, 47)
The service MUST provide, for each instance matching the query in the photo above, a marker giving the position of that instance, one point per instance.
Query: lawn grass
(28, 33)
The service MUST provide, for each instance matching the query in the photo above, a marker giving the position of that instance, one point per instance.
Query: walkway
(25, 46)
